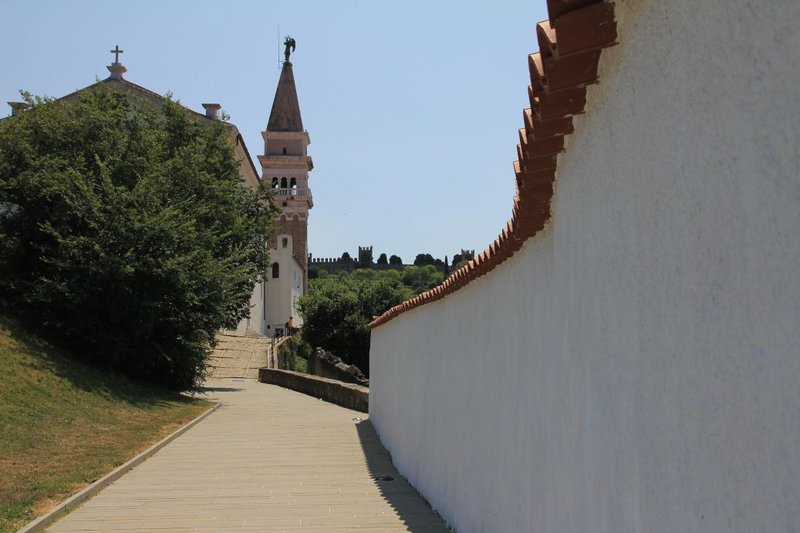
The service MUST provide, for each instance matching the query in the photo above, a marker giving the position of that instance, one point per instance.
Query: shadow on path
(410, 506)
(204, 390)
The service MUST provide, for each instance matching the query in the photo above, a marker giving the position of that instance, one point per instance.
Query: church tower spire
(285, 166)
(285, 114)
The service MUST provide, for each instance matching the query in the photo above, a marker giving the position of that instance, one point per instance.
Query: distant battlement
(323, 260)
(366, 259)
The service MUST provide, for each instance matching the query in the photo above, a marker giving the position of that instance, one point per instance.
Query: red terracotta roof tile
(589, 28)
(556, 8)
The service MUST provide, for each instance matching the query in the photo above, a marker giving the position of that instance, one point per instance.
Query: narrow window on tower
(284, 150)
(275, 183)
(283, 182)
(285, 242)
(293, 183)
(276, 270)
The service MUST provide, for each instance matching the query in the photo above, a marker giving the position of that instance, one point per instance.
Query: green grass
(64, 424)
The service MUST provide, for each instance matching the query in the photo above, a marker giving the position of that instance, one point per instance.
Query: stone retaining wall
(347, 395)
(327, 365)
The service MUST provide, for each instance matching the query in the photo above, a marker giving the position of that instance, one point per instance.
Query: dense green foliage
(426, 259)
(126, 232)
(421, 278)
(338, 310)
(418, 279)
(293, 354)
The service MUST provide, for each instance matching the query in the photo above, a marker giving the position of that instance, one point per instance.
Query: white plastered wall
(256, 321)
(284, 291)
(636, 366)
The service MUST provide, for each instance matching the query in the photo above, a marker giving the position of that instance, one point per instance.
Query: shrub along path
(269, 459)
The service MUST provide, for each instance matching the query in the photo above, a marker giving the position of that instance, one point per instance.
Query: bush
(337, 312)
(294, 354)
(126, 232)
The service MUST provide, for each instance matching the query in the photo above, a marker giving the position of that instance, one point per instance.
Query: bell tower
(285, 166)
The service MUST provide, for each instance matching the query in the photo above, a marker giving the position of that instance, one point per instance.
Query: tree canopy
(424, 259)
(421, 278)
(126, 231)
(338, 309)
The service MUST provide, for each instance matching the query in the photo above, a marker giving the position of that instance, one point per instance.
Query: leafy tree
(346, 257)
(422, 278)
(382, 260)
(458, 262)
(128, 234)
(424, 259)
(392, 275)
(366, 274)
(337, 310)
(395, 260)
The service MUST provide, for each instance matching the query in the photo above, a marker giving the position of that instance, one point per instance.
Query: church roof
(119, 81)
(285, 114)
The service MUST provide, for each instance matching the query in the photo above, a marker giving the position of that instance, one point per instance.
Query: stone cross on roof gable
(116, 51)
(116, 68)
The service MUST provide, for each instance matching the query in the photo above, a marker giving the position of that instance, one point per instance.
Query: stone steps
(239, 356)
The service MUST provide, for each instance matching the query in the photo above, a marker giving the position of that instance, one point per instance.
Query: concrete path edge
(40, 523)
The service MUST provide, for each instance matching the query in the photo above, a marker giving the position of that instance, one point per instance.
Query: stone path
(239, 357)
(269, 459)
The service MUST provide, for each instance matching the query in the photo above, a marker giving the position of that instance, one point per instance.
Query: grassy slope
(64, 424)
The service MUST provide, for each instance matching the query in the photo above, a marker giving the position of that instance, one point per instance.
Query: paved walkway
(269, 459)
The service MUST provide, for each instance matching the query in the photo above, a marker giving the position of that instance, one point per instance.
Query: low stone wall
(347, 395)
(327, 365)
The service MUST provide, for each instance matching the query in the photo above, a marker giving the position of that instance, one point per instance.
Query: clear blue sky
(413, 107)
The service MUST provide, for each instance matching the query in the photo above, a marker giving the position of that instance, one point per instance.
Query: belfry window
(293, 183)
(283, 183)
(275, 183)
(276, 270)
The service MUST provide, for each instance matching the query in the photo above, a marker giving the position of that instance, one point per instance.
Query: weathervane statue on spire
(289, 43)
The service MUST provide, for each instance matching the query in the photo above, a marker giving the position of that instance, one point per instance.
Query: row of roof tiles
(570, 42)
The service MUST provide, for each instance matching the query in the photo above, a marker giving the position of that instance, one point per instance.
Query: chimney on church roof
(212, 110)
(17, 107)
